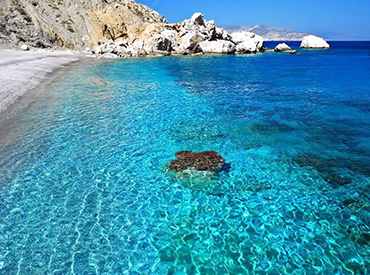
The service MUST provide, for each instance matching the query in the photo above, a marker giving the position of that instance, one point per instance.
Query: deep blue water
(85, 188)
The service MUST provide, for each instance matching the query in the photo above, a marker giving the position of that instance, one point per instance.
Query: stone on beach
(25, 47)
(204, 161)
(314, 42)
(282, 47)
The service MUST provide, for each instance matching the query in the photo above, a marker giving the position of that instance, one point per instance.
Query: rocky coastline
(121, 28)
(194, 36)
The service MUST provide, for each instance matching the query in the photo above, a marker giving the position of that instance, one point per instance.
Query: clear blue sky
(332, 19)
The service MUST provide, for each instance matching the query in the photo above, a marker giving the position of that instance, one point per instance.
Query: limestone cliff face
(72, 24)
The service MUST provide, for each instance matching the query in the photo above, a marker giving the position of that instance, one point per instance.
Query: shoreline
(22, 72)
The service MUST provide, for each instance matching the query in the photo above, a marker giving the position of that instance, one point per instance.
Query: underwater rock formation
(203, 161)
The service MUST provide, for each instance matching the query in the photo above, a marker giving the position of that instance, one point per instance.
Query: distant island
(270, 33)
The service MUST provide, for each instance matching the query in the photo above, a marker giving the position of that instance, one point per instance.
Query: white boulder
(158, 44)
(217, 46)
(25, 47)
(314, 42)
(241, 36)
(282, 47)
(172, 36)
(199, 24)
(222, 34)
(190, 42)
(197, 19)
(136, 48)
(247, 46)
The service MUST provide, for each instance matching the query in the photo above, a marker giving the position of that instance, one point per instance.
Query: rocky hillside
(72, 24)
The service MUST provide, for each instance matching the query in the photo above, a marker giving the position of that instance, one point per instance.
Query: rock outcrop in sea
(314, 42)
(194, 35)
(114, 28)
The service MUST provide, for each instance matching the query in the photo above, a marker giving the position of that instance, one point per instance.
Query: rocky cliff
(72, 24)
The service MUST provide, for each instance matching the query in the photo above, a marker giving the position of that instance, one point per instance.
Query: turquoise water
(85, 189)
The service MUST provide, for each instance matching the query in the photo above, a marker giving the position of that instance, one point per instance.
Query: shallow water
(85, 189)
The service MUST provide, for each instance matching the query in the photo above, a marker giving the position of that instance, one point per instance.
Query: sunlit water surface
(85, 188)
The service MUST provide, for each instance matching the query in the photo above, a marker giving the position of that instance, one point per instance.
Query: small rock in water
(282, 47)
(204, 161)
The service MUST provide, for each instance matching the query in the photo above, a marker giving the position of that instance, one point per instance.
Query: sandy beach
(20, 72)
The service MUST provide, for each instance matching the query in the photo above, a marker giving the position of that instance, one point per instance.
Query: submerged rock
(314, 42)
(282, 47)
(356, 204)
(204, 161)
(329, 170)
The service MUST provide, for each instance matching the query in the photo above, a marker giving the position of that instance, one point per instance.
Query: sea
(85, 186)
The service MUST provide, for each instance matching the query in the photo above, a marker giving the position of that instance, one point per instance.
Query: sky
(331, 19)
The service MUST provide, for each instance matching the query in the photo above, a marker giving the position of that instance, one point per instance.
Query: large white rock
(197, 19)
(171, 36)
(137, 48)
(314, 42)
(282, 47)
(199, 24)
(217, 46)
(241, 36)
(222, 34)
(190, 42)
(247, 46)
(158, 44)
